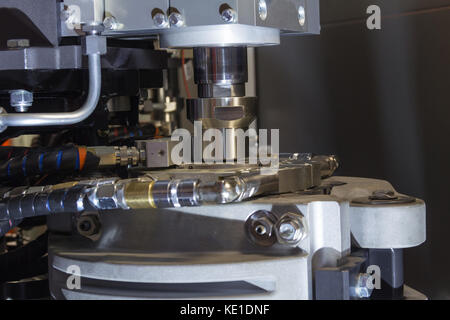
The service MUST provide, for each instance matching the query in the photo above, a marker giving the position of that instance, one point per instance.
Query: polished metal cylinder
(221, 71)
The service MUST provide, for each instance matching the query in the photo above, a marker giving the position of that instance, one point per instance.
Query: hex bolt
(88, 225)
(176, 19)
(301, 15)
(262, 9)
(21, 100)
(228, 15)
(160, 20)
(110, 23)
(290, 229)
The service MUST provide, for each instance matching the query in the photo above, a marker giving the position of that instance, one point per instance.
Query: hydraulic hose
(33, 162)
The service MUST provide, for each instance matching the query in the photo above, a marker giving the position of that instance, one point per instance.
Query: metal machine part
(221, 74)
(219, 187)
(146, 228)
(161, 108)
(197, 23)
(169, 258)
(62, 118)
(118, 156)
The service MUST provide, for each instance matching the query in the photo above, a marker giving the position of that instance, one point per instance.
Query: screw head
(160, 20)
(176, 19)
(301, 15)
(262, 9)
(110, 23)
(229, 15)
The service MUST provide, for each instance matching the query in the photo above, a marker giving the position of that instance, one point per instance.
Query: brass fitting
(138, 195)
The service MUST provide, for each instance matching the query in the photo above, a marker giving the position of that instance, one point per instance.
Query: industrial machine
(101, 85)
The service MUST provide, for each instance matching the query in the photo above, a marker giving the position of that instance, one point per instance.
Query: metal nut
(110, 23)
(160, 20)
(228, 15)
(301, 16)
(262, 9)
(176, 19)
(290, 229)
(88, 225)
(105, 195)
(260, 228)
(93, 44)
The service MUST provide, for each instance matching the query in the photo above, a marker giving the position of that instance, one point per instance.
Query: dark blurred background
(379, 99)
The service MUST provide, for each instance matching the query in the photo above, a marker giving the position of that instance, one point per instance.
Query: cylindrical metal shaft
(220, 72)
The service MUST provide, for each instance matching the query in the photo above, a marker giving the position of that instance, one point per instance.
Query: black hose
(42, 204)
(13, 210)
(33, 162)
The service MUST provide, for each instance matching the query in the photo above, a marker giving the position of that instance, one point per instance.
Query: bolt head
(160, 20)
(287, 231)
(262, 9)
(229, 15)
(88, 225)
(290, 229)
(301, 15)
(110, 23)
(21, 100)
(176, 19)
